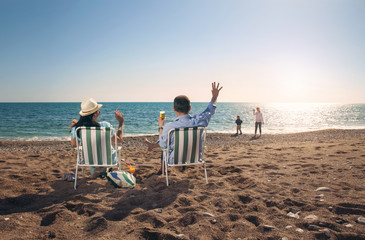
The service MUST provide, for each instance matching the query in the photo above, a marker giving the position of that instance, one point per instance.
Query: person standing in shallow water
(238, 122)
(259, 120)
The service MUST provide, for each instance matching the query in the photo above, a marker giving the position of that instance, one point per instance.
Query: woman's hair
(182, 104)
(86, 121)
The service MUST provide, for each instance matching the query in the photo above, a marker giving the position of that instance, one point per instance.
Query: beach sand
(253, 185)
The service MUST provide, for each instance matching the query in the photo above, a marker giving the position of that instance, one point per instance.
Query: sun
(295, 82)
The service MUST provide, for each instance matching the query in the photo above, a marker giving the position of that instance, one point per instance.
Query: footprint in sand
(153, 234)
(49, 219)
(233, 217)
(201, 198)
(149, 218)
(308, 165)
(341, 152)
(350, 208)
(295, 190)
(245, 199)
(81, 209)
(254, 220)
(230, 169)
(117, 215)
(269, 166)
(185, 209)
(188, 219)
(97, 224)
(241, 182)
(14, 176)
(184, 201)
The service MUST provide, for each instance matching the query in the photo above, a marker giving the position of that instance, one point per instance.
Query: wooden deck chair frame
(187, 148)
(95, 149)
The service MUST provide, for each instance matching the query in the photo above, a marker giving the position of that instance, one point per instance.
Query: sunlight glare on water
(51, 121)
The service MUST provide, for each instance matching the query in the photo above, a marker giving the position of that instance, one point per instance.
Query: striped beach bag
(121, 179)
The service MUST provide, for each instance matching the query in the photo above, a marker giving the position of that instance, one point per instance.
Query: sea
(51, 121)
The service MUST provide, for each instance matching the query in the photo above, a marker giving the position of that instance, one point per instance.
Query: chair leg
(205, 172)
(167, 177)
(163, 157)
(77, 168)
(119, 160)
(163, 167)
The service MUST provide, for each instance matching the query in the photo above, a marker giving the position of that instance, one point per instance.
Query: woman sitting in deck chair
(90, 111)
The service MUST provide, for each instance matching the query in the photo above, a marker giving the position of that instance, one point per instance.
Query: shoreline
(220, 138)
(266, 133)
(253, 185)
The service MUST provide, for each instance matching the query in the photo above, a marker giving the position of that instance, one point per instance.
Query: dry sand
(253, 185)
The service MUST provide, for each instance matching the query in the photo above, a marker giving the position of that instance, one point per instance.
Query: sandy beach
(286, 186)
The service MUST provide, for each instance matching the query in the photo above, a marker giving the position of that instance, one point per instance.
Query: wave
(268, 130)
(35, 138)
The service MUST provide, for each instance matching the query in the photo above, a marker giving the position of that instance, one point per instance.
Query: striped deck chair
(188, 148)
(95, 149)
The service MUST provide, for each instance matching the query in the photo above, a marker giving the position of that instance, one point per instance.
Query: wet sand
(258, 189)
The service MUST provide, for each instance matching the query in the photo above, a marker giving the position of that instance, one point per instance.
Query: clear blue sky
(260, 50)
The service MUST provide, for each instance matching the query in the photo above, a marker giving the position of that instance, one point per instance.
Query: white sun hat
(89, 106)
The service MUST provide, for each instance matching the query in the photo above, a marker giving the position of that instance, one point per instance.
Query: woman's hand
(119, 117)
(73, 123)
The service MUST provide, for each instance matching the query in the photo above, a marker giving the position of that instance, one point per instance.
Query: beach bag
(121, 179)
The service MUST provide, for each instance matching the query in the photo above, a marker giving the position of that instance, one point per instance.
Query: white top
(258, 117)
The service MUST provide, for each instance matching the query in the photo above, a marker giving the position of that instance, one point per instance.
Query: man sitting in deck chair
(182, 108)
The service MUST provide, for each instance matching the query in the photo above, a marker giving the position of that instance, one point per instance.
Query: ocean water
(51, 121)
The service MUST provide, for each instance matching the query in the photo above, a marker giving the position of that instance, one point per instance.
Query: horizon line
(191, 102)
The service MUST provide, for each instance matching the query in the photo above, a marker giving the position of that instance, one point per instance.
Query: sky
(151, 51)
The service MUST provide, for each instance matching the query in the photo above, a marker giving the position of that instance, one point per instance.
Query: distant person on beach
(90, 111)
(182, 108)
(238, 122)
(259, 119)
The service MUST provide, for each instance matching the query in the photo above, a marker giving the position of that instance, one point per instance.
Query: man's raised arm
(215, 92)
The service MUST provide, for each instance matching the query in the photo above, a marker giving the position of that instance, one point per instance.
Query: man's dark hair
(182, 104)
